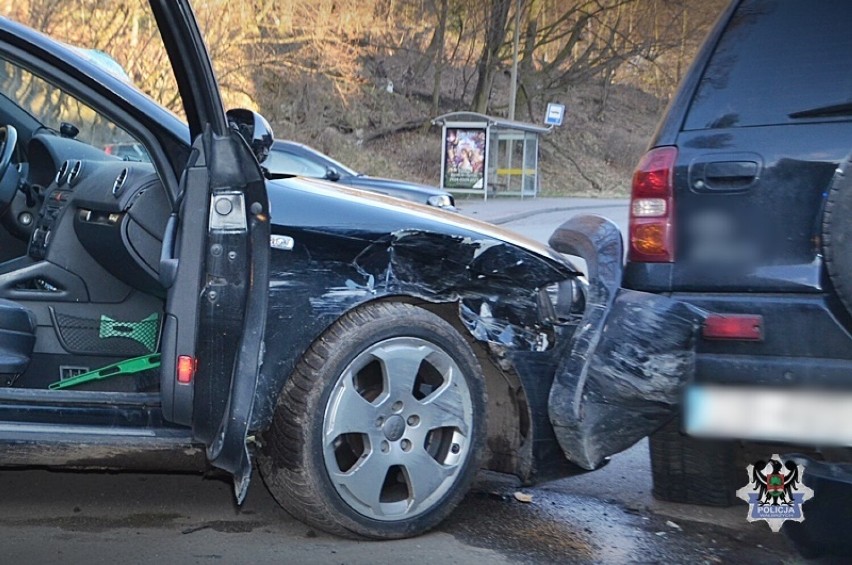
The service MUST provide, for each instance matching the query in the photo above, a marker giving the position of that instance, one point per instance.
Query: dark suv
(739, 207)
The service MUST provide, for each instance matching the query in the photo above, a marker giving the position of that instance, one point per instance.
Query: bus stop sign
(555, 113)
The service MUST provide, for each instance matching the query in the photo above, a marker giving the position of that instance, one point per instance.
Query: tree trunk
(497, 15)
(485, 77)
(439, 55)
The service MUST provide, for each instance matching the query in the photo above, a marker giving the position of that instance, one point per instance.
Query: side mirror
(255, 130)
(332, 174)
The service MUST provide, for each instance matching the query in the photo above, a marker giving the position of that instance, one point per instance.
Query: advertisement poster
(464, 158)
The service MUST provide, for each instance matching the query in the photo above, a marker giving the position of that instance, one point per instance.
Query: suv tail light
(652, 208)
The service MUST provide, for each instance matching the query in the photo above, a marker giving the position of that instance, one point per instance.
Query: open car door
(214, 262)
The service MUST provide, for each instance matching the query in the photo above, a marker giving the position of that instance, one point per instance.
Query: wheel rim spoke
(364, 481)
(401, 363)
(445, 408)
(349, 413)
(425, 477)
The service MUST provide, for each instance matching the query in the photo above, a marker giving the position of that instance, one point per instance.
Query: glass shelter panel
(530, 165)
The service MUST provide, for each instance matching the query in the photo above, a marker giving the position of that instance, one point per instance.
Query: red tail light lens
(743, 327)
(652, 208)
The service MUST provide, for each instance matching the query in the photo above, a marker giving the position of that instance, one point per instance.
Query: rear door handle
(724, 173)
(731, 170)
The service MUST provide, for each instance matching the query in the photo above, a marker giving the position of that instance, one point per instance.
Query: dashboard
(96, 207)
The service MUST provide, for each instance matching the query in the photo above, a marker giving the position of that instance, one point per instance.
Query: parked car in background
(743, 207)
(129, 151)
(291, 158)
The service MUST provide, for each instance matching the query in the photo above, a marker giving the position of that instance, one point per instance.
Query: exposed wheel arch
(508, 447)
(509, 436)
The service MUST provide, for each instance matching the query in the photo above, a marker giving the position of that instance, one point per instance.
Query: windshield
(120, 37)
(58, 111)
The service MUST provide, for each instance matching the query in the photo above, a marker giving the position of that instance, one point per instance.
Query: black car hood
(317, 204)
(377, 183)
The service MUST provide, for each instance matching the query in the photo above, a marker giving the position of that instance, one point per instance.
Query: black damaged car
(371, 355)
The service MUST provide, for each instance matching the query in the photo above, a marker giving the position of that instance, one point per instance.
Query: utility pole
(513, 90)
(513, 93)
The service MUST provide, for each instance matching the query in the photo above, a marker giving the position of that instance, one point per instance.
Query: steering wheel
(10, 140)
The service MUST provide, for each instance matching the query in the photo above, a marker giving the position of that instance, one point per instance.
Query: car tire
(694, 471)
(837, 233)
(379, 431)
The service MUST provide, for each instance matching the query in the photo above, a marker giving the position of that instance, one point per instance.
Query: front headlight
(441, 201)
(567, 298)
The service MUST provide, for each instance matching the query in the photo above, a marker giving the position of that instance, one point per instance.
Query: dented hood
(324, 205)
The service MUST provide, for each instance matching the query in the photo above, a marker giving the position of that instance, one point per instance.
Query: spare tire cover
(837, 233)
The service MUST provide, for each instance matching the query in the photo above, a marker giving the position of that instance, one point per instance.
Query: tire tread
(836, 247)
(693, 471)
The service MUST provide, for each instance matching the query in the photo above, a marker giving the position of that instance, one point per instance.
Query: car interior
(80, 245)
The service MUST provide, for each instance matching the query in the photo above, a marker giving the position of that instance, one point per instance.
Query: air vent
(74, 172)
(63, 170)
(119, 182)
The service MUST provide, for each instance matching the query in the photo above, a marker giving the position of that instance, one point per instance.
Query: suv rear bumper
(804, 344)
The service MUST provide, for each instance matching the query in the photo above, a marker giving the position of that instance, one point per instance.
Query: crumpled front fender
(629, 359)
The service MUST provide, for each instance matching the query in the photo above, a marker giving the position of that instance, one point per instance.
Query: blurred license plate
(788, 415)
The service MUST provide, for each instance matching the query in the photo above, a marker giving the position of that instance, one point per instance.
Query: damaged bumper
(629, 359)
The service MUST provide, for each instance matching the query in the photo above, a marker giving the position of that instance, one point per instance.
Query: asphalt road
(607, 516)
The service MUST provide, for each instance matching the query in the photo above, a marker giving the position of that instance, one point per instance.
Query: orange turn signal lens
(650, 239)
(185, 369)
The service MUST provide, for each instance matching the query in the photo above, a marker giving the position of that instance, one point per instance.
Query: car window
(120, 37)
(52, 106)
(341, 168)
(281, 162)
(776, 58)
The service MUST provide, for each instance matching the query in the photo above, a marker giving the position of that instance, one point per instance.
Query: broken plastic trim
(629, 360)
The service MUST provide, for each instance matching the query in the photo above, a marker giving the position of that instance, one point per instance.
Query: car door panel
(180, 330)
(218, 299)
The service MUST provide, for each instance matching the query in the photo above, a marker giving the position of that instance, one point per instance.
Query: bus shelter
(489, 156)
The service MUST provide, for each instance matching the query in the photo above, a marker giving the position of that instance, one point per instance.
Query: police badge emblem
(775, 492)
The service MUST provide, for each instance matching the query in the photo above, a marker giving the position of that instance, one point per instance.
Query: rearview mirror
(255, 130)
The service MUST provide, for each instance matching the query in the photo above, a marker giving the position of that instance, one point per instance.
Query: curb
(529, 213)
